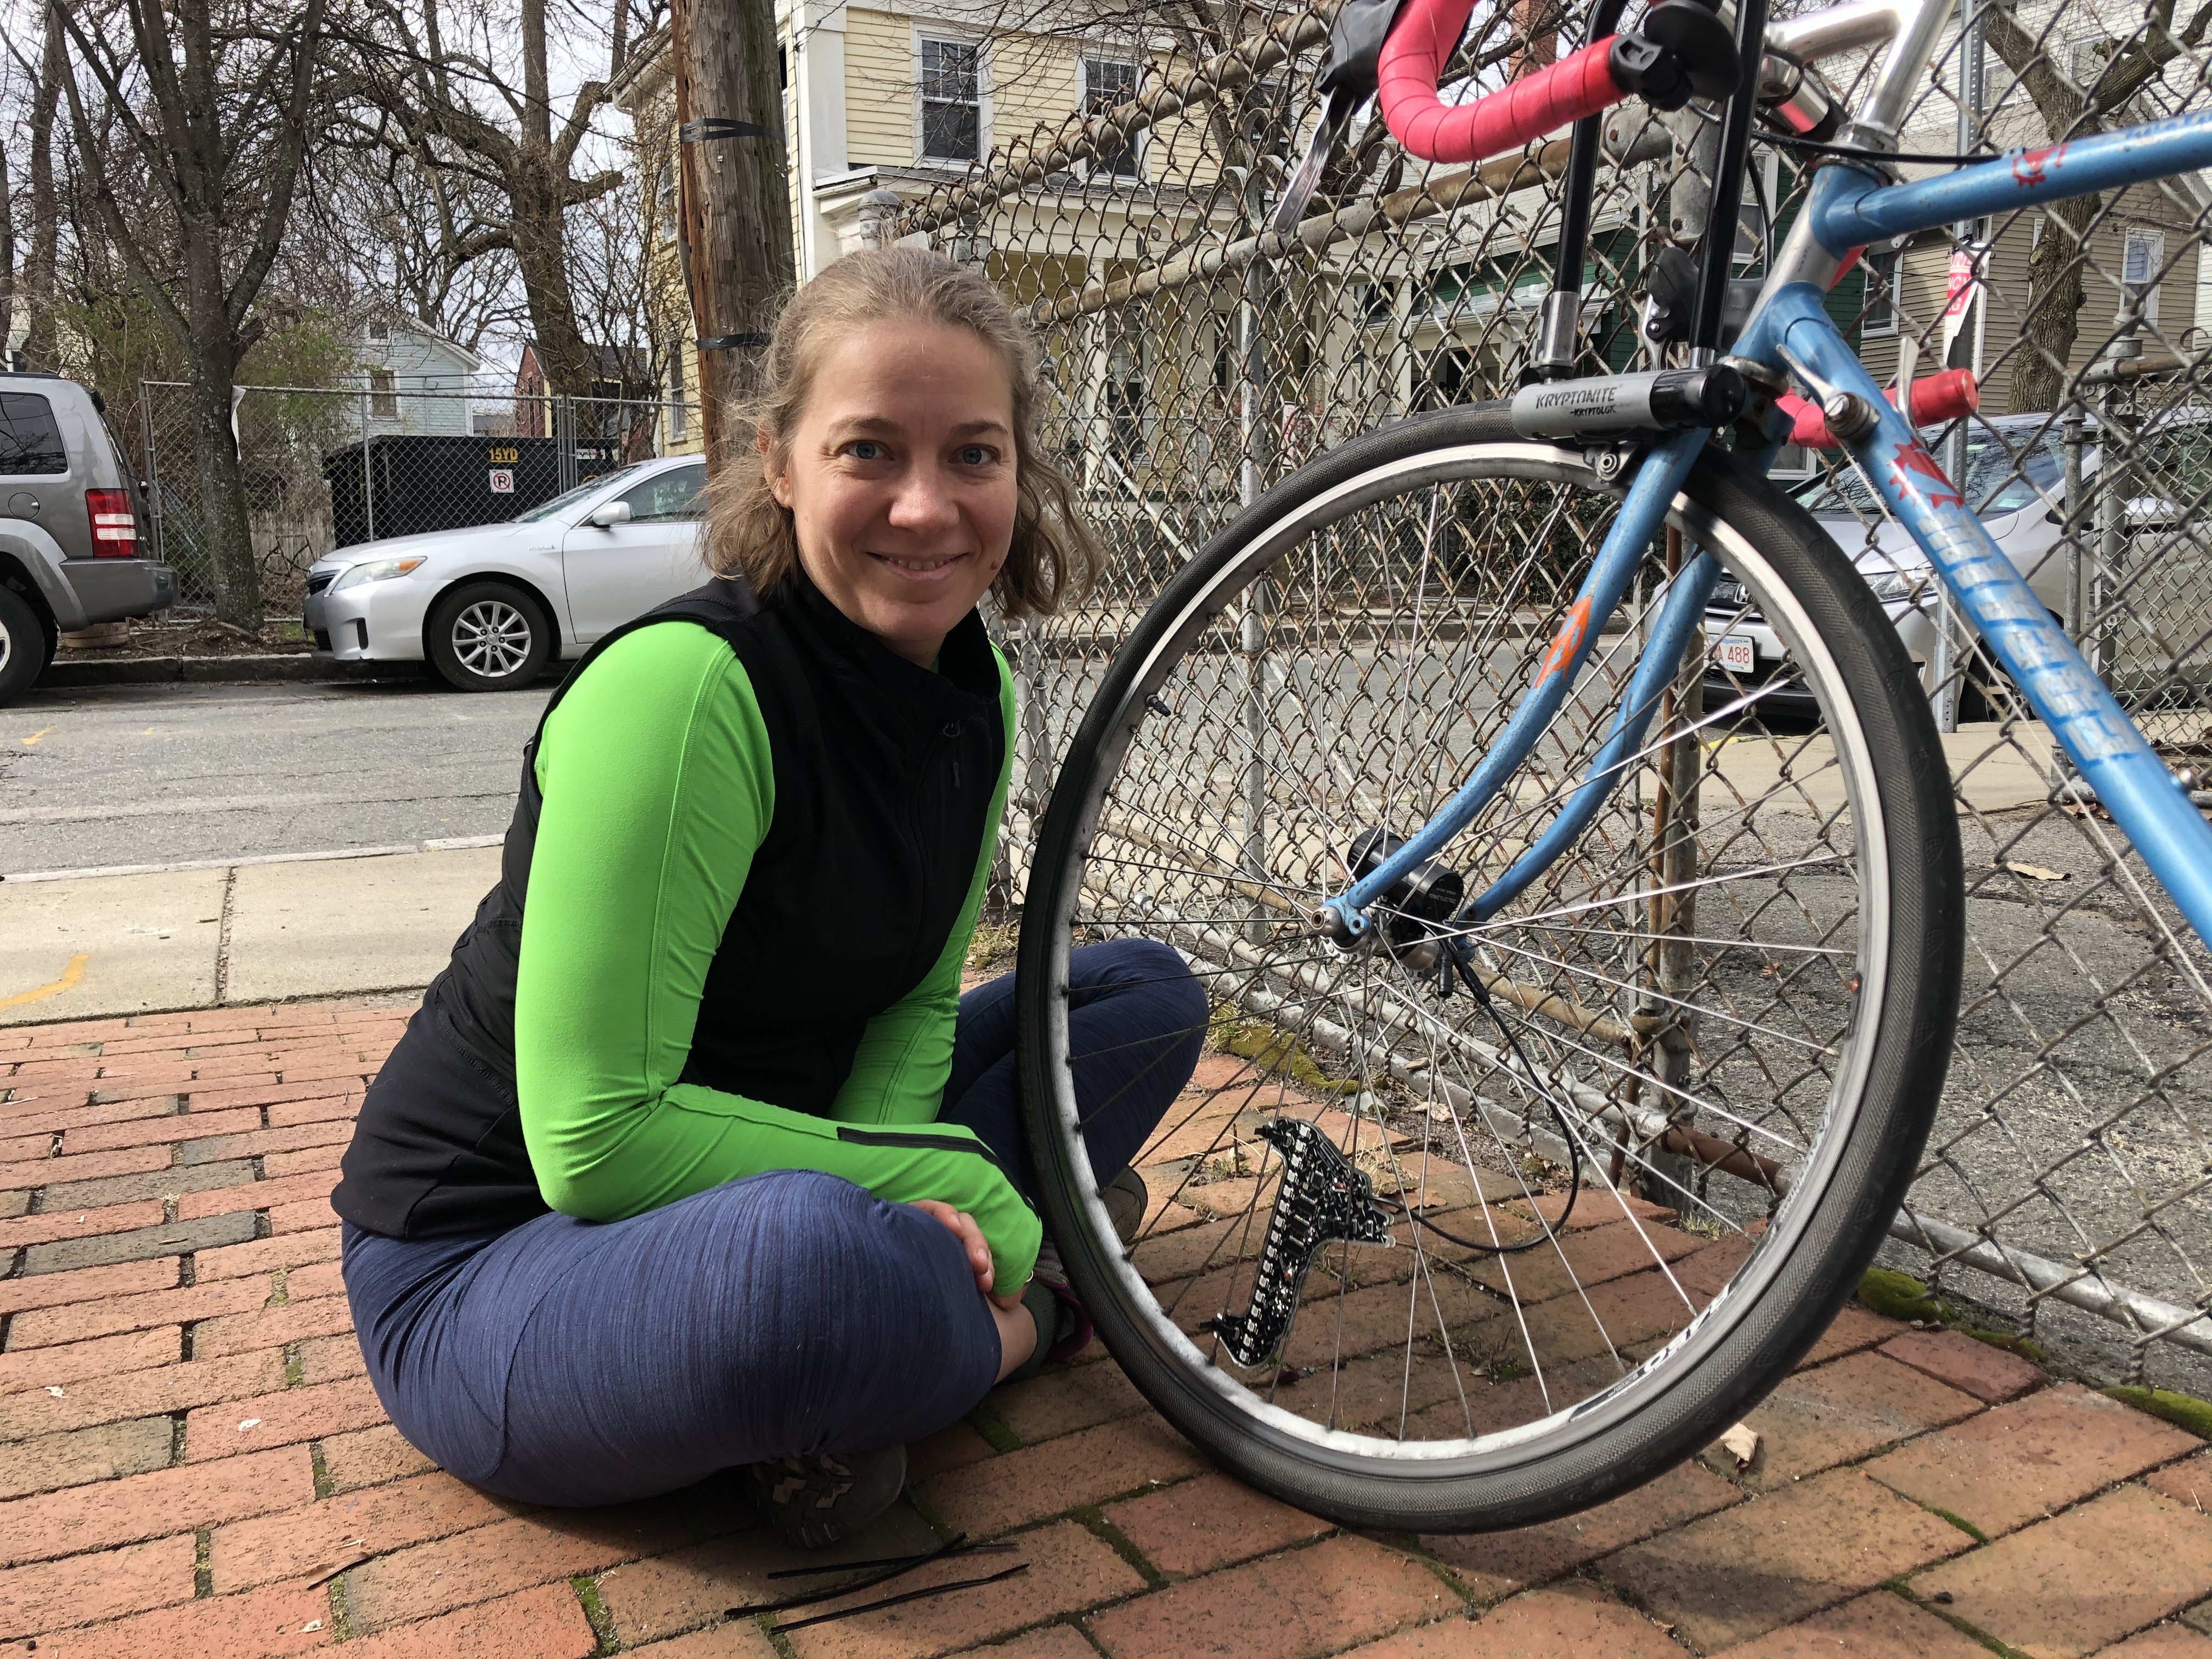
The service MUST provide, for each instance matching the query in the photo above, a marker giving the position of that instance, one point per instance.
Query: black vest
(884, 773)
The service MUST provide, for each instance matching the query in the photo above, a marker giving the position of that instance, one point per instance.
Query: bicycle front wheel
(1595, 1194)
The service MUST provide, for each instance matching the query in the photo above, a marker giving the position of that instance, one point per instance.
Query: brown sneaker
(1125, 1200)
(812, 1502)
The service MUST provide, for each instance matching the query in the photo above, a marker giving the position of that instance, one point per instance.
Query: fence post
(152, 485)
(1252, 623)
(2071, 622)
(367, 472)
(2116, 446)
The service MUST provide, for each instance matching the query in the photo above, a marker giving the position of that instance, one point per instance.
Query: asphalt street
(128, 775)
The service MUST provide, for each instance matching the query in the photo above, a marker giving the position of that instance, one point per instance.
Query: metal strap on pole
(708, 127)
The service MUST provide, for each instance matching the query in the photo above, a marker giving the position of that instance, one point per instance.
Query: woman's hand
(961, 1226)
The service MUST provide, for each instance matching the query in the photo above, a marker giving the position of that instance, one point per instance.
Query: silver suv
(71, 518)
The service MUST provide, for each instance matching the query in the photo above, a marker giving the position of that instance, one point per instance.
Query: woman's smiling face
(900, 479)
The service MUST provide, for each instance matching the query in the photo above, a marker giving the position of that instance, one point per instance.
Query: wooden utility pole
(736, 204)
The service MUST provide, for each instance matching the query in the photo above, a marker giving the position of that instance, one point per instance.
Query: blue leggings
(565, 1362)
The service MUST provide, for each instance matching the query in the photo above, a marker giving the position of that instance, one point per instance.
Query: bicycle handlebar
(1580, 84)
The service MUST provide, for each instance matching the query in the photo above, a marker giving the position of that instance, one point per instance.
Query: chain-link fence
(326, 469)
(1193, 360)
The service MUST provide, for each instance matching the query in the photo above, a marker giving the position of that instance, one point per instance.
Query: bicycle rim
(1720, 1000)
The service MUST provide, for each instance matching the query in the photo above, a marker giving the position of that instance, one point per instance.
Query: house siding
(1927, 268)
(419, 364)
(879, 89)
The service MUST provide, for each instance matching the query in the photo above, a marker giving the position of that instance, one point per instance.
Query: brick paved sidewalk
(195, 1465)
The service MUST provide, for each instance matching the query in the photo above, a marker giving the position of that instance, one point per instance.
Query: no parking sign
(502, 480)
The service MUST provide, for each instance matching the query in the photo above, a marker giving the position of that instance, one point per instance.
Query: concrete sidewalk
(92, 945)
(192, 1462)
(81, 947)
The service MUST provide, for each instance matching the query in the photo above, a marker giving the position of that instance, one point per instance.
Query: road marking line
(70, 975)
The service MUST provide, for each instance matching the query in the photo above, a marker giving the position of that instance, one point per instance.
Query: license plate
(1733, 655)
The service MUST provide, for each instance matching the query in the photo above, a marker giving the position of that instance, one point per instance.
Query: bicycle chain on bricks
(1191, 361)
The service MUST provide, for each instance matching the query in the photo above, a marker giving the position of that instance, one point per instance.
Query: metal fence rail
(1193, 360)
(327, 468)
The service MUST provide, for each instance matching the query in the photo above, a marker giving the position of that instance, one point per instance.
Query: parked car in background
(2016, 481)
(71, 516)
(489, 607)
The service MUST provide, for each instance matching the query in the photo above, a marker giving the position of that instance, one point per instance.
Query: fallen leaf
(312, 1624)
(1741, 1443)
(2036, 872)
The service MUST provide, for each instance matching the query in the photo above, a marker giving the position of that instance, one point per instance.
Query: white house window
(379, 332)
(951, 101)
(677, 411)
(2088, 58)
(2142, 255)
(383, 394)
(1106, 84)
(1884, 291)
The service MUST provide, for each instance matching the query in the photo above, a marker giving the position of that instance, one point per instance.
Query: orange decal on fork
(1566, 641)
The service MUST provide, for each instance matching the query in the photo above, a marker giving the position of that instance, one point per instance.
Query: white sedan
(2016, 467)
(489, 607)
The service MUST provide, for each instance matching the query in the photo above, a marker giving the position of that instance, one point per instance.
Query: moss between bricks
(1901, 1296)
(602, 1622)
(990, 945)
(2182, 1410)
(992, 1428)
(1273, 1051)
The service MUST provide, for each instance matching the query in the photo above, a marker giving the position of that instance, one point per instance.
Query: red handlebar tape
(1555, 96)
(1936, 398)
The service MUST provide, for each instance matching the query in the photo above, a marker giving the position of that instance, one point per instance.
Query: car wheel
(24, 648)
(487, 636)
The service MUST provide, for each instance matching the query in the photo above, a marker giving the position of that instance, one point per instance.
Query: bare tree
(442, 88)
(2069, 111)
(411, 235)
(35, 284)
(212, 110)
(626, 278)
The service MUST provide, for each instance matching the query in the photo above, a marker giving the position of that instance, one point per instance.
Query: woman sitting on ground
(696, 1156)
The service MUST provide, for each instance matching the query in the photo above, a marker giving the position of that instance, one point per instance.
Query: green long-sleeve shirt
(659, 787)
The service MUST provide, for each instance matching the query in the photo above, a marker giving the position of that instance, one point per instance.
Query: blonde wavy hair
(1053, 554)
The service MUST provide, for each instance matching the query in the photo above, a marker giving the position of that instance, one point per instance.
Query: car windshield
(1999, 479)
(570, 497)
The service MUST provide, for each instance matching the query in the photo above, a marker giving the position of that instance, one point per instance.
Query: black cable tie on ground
(895, 1601)
(708, 127)
(959, 1541)
(728, 342)
(896, 1566)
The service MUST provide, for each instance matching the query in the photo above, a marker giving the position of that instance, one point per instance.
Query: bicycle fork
(1642, 517)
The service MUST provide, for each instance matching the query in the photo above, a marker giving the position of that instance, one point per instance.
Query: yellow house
(910, 98)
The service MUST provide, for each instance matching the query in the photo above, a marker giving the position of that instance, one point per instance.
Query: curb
(62, 676)
(444, 844)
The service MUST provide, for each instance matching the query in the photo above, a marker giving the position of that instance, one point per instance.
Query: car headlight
(1895, 587)
(374, 570)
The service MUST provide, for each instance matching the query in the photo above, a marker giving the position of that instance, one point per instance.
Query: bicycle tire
(1874, 1078)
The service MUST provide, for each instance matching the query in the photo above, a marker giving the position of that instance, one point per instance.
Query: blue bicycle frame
(1849, 206)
